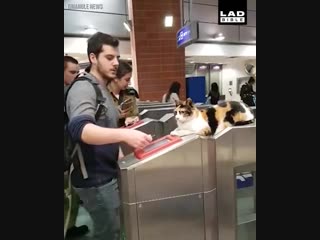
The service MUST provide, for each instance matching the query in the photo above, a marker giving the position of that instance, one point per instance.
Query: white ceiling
(113, 13)
(77, 48)
(198, 53)
(79, 15)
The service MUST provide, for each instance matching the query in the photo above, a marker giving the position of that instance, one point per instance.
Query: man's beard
(102, 74)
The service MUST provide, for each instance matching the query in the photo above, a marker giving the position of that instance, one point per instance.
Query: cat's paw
(205, 132)
(174, 133)
(204, 137)
(220, 128)
(181, 133)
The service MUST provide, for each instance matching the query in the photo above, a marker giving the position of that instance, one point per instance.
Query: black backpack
(70, 146)
(247, 95)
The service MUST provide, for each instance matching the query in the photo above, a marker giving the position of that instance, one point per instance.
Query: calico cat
(209, 121)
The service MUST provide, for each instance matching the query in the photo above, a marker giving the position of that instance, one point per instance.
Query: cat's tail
(243, 123)
(248, 111)
(212, 121)
(248, 117)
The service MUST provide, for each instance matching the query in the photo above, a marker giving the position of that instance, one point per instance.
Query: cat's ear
(178, 103)
(189, 102)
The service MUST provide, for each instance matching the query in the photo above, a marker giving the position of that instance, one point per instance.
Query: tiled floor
(83, 219)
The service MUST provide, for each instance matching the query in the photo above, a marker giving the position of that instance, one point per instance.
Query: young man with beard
(99, 140)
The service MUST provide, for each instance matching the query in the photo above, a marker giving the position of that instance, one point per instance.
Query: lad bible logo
(232, 12)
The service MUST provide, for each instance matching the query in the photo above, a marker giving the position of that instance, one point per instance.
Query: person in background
(247, 94)
(173, 94)
(214, 93)
(71, 69)
(123, 96)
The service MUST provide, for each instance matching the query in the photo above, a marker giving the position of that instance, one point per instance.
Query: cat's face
(185, 111)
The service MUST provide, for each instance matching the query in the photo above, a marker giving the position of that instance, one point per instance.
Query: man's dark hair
(123, 69)
(69, 59)
(97, 40)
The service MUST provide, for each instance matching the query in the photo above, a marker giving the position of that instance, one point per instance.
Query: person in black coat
(247, 94)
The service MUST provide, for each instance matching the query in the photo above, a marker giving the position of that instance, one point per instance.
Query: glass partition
(246, 205)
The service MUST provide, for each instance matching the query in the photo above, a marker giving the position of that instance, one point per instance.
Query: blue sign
(184, 35)
(244, 181)
(187, 34)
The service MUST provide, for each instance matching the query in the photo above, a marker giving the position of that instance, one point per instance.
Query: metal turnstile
(171, 191)
(185, 188)
(168, 123)
(155, 113)
(156, 128)
(143, 106)
(236, 199)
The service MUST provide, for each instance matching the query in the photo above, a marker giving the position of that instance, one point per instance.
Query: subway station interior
(177, 187)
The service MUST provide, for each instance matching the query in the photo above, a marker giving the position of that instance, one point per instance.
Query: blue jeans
(103, 205)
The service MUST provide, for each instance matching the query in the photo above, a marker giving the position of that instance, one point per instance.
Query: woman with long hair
(124, 96)
(173, 94)
(214, 93)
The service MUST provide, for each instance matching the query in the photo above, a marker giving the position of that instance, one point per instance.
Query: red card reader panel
(156, 146)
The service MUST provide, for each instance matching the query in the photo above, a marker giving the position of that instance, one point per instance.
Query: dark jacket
(247, 94)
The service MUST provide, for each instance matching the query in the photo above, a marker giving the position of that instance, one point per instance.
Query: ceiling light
(127, 24)
(90, 31)
(216, 67)
(202, 67)
(218, 37)
(168, 20)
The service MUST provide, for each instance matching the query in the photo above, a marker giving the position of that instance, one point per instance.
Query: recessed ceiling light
(218, 37)
(90, 31)
(216, 67)
(168, 21)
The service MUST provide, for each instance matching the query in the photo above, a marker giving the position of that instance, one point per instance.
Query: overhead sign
(187, 34)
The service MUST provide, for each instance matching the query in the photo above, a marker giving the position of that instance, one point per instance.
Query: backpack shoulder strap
(100, 98)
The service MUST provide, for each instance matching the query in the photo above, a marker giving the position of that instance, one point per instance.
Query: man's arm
(95, 135)
(81, 107)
